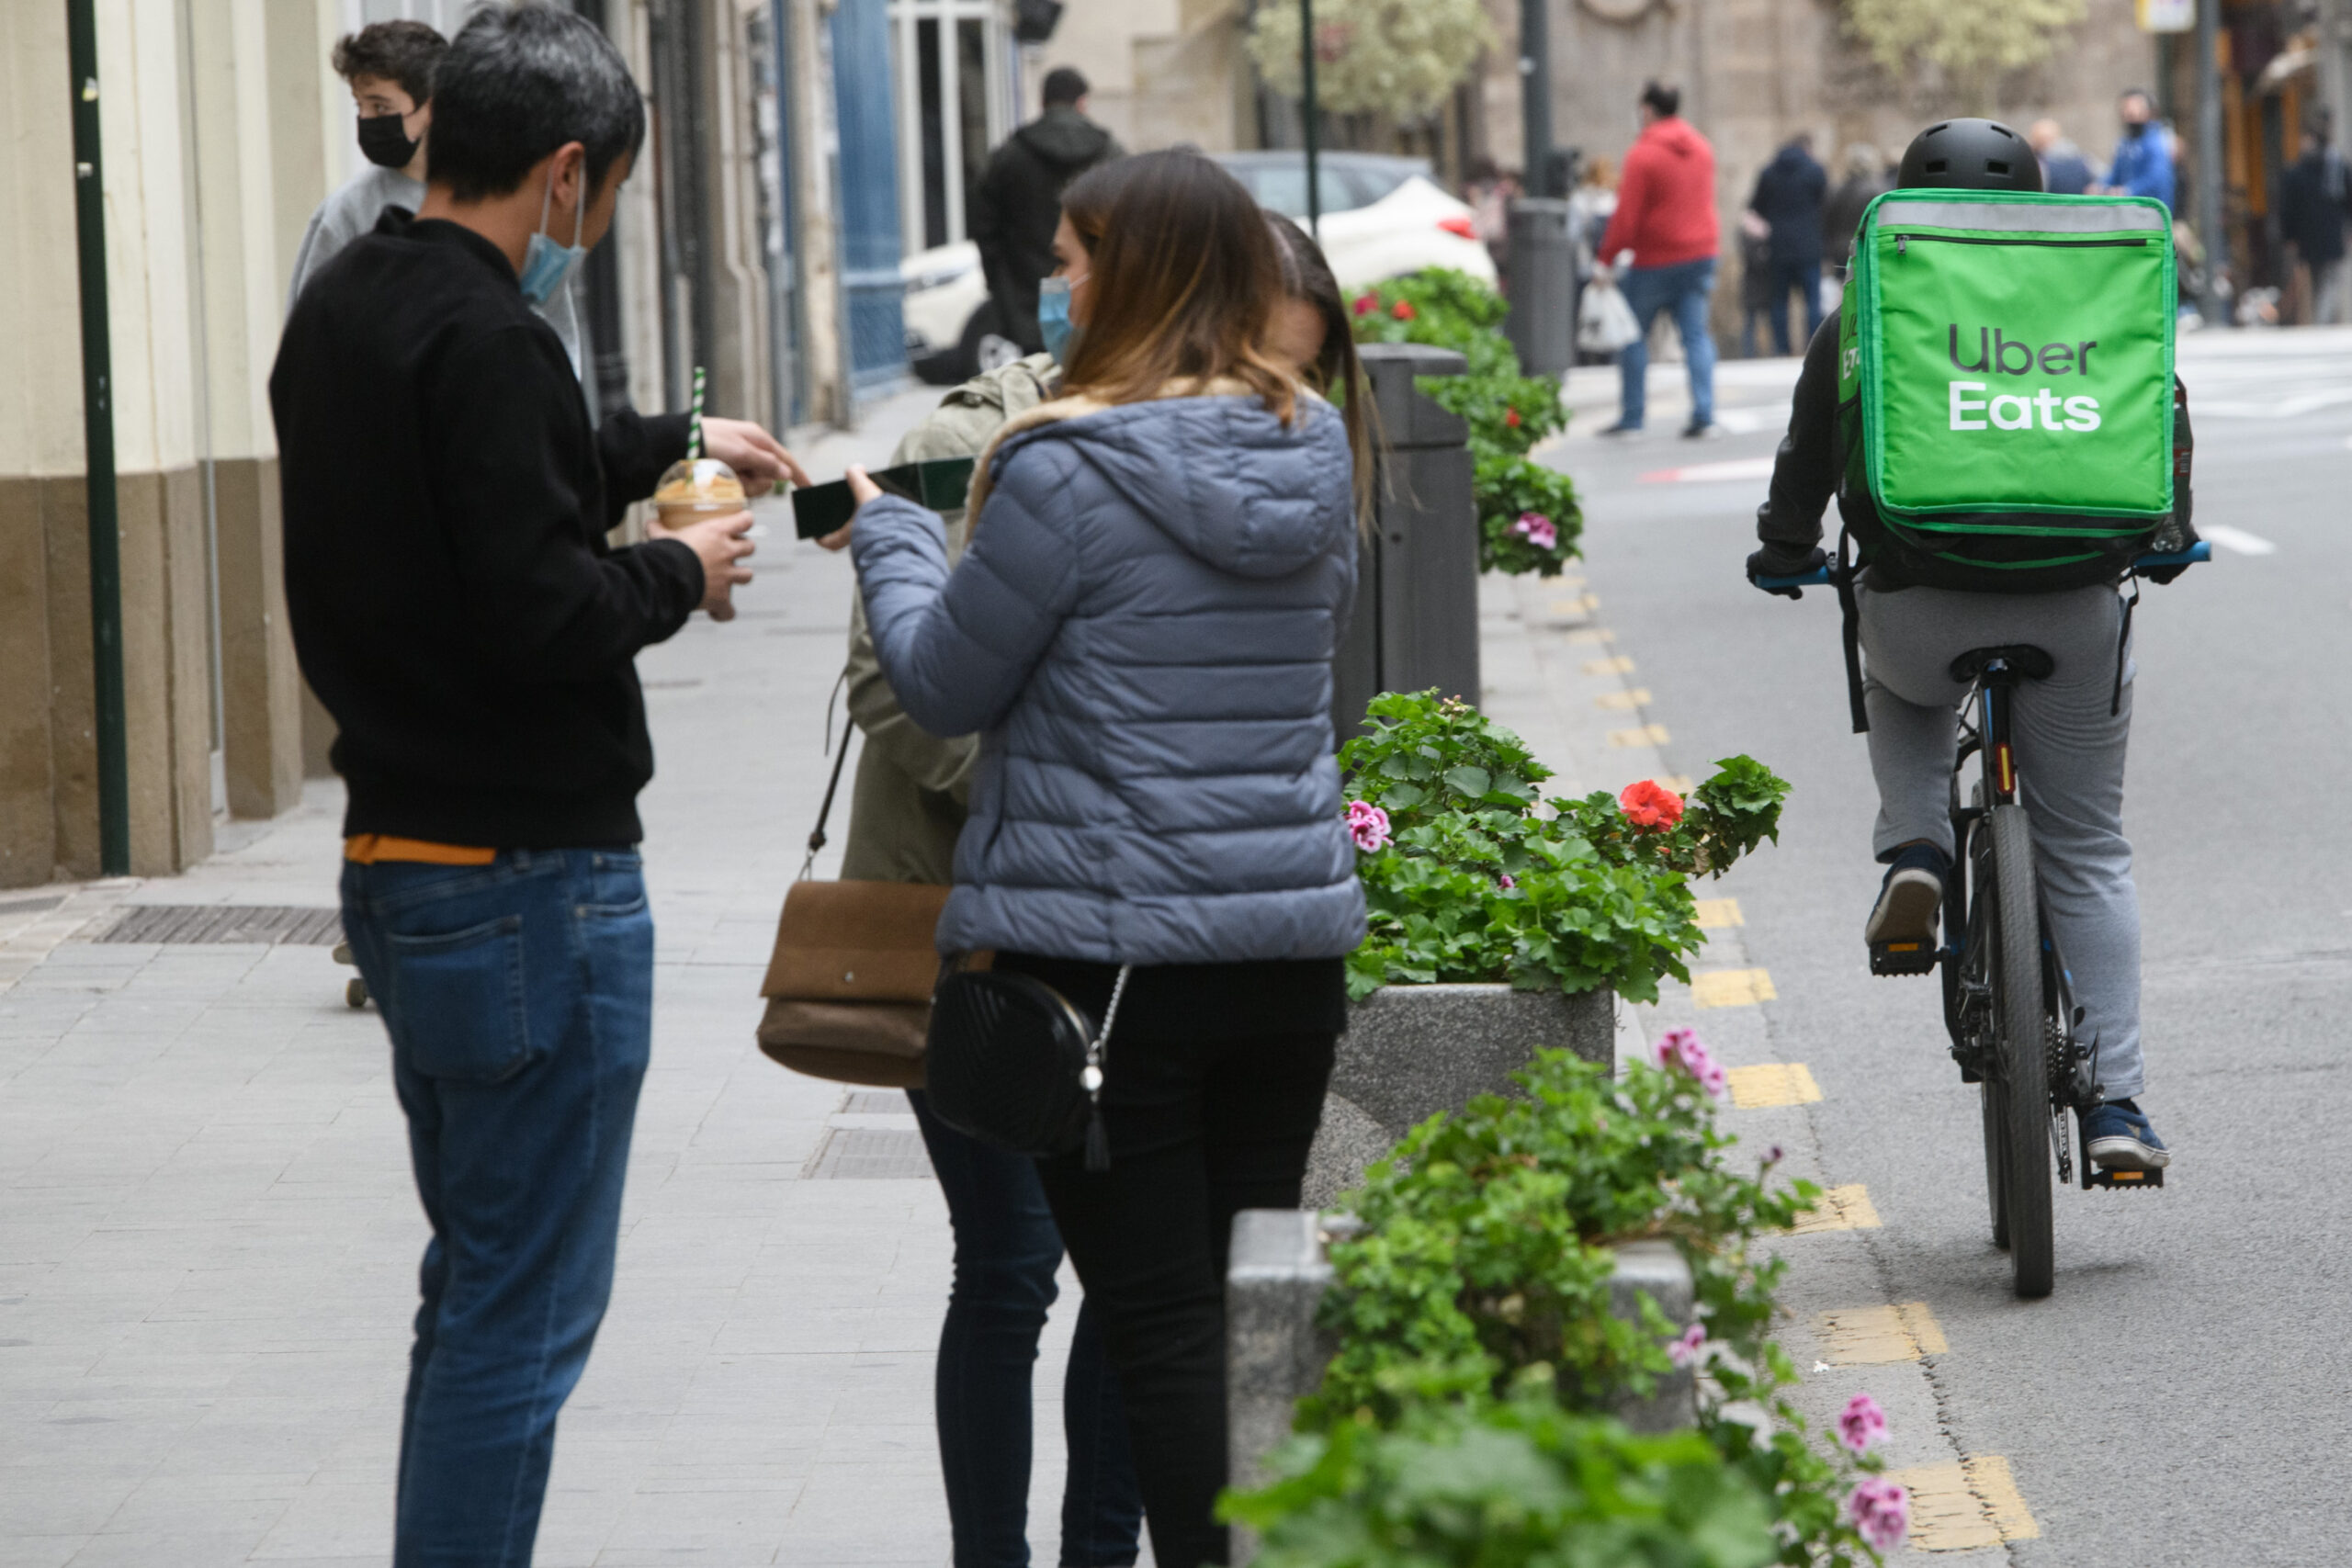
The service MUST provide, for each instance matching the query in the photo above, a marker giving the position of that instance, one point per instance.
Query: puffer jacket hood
(1141, 628)
(1066, 139)
(1173, 461)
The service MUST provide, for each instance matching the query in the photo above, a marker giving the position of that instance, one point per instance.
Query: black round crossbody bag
(1013, 1061)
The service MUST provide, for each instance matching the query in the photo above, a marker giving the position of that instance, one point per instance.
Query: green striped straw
(694, 431)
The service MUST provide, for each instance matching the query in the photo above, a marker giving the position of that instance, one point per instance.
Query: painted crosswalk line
(1620, 701)
(1641, 735)
(1622, 664)
(1680, 785)
(1965, 1505)
(1775, 1083)
(1879, 1335)
(2238, 539)
(1592, 634)
(1731, 987)
(1847, 1208)
(1712, 914)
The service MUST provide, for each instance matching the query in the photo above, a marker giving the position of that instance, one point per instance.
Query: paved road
(2181, 1398)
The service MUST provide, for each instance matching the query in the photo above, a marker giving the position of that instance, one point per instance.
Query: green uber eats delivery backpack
(2005, 382)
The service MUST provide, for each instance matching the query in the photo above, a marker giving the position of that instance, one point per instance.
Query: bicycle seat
(2022, 659)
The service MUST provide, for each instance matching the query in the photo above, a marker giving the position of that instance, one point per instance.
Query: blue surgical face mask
(1053, 316)
(546, 264)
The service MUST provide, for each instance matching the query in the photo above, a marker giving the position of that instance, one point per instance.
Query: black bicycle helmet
(1969, 154)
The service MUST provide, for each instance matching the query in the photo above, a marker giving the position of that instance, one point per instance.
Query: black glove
(2162, 574)
(1780, 560)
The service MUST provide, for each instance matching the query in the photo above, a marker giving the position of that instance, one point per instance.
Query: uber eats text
(1998, 354)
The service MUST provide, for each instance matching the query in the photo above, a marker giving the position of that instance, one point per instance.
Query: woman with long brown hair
(1141, 629)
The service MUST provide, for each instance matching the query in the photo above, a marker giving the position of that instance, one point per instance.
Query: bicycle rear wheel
(2022, 1090)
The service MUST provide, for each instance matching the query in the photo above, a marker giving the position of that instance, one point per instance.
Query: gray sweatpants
(2070, 758)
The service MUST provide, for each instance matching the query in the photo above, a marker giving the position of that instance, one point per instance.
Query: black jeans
(1200, 1130)
(1006, 1252)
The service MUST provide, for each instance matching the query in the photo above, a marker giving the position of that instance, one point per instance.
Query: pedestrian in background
(1141, 628)
(388, 67)
(1019, 200)
(1490, 190)
(2312, 200)
(1755, 280)
(456, 606)
(1591, 206)
(1867, 178)
(1789, 194)
(1666, 219)
(2064, 170)
(2143, 158)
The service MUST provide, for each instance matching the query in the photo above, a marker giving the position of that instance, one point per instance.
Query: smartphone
(940, 484)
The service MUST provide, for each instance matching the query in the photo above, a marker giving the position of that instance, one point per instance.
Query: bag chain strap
(1090, 1078)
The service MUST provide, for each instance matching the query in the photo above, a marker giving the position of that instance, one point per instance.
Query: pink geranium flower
(1368, 825)
(1881, 1511)
(1681, 1049)
(1537, 530)
(1506, 881)
(1861, 1424)
(1689, 1347)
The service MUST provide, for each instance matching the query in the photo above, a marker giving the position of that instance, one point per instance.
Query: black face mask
(385, 143)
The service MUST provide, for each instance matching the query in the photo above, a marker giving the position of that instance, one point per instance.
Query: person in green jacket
(906, 807)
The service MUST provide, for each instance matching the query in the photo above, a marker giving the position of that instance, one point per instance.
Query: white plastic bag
(1604, 321)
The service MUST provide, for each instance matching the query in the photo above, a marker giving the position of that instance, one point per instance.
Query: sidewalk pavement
(209, 1236)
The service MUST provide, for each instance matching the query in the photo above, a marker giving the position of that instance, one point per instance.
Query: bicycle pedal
(2122, 1180)
(1903, 958)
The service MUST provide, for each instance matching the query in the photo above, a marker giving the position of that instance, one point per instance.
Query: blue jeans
(519, 998)
(1799, 277)
(1683, 289)
(1006, 1252)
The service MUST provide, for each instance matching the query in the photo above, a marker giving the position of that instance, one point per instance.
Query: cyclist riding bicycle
(1919, 610)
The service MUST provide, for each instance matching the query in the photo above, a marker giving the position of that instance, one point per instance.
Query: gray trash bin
(1543, 322)
(1416, 619)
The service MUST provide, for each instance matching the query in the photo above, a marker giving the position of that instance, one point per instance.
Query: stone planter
(1412, 1051)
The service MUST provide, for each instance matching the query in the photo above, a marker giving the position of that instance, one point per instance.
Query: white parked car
(1383, 217)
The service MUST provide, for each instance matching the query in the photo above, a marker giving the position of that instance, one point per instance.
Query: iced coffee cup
(694, 489)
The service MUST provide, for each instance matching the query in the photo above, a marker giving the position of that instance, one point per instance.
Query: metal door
(868, 183)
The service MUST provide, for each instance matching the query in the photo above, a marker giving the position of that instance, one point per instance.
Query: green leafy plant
(1516, 1485)
(1528, 519)
(1480, 1273)
(1467, 880)
(1400, 57)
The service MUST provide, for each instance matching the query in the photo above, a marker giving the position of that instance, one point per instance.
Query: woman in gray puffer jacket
(1141, 628)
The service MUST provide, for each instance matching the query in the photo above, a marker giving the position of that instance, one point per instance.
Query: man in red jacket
(1666, 219)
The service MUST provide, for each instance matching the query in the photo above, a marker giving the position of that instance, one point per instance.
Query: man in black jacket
(1020, 200)
(1919, 612)
(455, 608)
(2312, 202)
(1788, 196)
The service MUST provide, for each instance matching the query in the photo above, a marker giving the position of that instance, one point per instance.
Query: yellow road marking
(1582, 604)
(1875, 1335)
(1841, 1209)
(1622, 700)
(1731, 987)
(1680, 785)
(1592, 634)
(1647, 735)
(1622, 664)
(1963, 1506)
(1715, 914)
(1780, 1083)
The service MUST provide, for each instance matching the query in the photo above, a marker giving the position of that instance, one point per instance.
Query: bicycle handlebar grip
(1817, 578)
(2200, 551)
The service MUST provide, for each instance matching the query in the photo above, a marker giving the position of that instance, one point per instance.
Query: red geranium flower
(1367, 303)
(1650, 805)
(1403, 310)
(1510, 418)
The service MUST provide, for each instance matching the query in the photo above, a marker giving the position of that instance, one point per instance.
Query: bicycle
(2007, 993)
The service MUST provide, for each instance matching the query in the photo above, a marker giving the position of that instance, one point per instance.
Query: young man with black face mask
(388, 67)
(456, 607)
